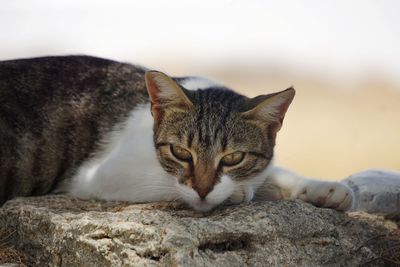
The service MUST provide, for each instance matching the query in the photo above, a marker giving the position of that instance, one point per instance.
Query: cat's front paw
(332, 195)
(242, 195)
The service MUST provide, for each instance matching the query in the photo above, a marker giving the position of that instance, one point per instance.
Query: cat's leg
(283, 184)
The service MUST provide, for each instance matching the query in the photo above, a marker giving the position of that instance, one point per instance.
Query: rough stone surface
(376, 191)
(62, 231)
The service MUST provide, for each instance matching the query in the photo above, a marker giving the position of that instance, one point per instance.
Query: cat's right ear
(270, 108)
(165, 95)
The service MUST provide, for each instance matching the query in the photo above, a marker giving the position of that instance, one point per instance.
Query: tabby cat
(96, 128)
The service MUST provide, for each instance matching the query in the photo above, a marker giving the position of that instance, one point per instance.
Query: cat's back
(54, 112)
(36, 82)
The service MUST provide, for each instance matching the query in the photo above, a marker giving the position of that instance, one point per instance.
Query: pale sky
(331, 36)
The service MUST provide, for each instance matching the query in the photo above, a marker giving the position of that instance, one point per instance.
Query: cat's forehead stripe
(195, 83)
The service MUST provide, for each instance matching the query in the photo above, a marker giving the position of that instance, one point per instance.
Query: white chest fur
(128, 168)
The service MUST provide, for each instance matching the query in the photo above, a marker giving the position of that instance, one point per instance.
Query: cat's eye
(180, 153)
(232, 159)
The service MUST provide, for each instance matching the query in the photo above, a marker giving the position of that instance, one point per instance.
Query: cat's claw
(332, 195)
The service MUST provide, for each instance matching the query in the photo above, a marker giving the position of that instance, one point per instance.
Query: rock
(376, 191)
(63, 231)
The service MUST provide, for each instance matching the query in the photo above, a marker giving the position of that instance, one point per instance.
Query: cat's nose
(203, 192)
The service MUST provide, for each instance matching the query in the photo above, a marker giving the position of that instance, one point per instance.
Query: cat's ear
(270, 108)
(165, 94)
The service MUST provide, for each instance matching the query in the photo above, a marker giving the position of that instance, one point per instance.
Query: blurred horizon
(343, 58)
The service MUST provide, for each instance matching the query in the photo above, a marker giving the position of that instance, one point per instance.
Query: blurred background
(343, 57)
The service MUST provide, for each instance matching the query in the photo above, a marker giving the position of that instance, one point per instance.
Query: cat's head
(213, 141)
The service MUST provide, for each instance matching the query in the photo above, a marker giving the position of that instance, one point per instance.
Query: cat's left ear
(165, 94)
(270, 108)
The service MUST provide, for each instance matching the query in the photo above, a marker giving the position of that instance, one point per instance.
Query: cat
(95, 128)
